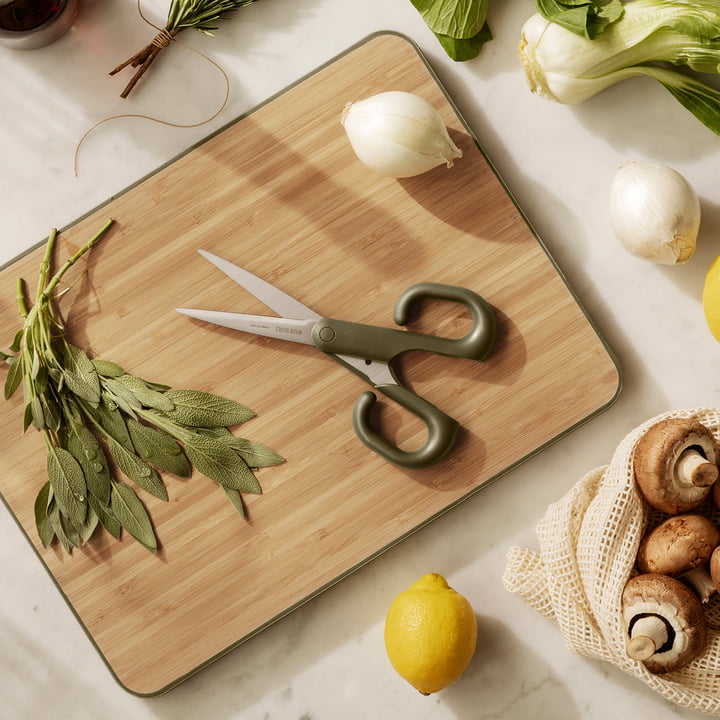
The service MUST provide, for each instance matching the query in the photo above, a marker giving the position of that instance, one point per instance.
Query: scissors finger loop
(478, 343)
(441, 428)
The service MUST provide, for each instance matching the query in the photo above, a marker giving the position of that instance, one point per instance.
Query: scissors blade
(282, 303)
(299, 331)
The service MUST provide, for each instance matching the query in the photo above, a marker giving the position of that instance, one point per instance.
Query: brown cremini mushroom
(665, 622)
(714, 568)
(681, 547)
(676, 464)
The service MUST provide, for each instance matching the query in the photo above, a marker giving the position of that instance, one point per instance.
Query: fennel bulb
(652, 38)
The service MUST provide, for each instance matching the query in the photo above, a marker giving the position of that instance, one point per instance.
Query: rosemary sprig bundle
(103, 427)
(182, 14)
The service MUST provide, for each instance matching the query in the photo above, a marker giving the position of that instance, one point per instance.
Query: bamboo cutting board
(281, 193)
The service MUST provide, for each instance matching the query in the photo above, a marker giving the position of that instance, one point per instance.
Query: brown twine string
(161, 40)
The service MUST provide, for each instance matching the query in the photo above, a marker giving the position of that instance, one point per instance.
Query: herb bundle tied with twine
(182, 14)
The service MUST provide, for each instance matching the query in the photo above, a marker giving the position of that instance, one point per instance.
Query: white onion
(398, 134)
(655, 213)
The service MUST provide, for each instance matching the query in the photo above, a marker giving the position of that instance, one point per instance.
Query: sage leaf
(35, 366)
(106, 517)
(159, 449)
(55, 520)
(195, 408)
(89, 526)
(236, 500)
(27, 417)
(41, 380)
(71, 532)
(45, 530)
(51, 413)
(80, 388)
(122, 397)
(68, 484)
(156, 386)
(17, 340)
(221, 463)
(86, 449)
(80, 375)
(112, 422)
(36, 413)
(107, 368)
(14, 377)
(146, 395)
(131, 514)
(253, 453)
(137, 470)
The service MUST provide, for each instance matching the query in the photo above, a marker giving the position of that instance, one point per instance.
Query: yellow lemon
(711, 298)
(430, 634)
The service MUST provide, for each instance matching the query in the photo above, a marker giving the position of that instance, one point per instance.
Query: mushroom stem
(647, 634)
(693, 468)
(700, 581)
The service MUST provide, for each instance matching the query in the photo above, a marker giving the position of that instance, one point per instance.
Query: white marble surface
(326, 661)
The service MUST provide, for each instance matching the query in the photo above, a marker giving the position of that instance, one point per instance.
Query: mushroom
(681, 547)
(676, 464)
(665, 622)
(714, 568)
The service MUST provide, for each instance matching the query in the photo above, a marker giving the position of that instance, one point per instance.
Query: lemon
(430, 634)
(711, 298)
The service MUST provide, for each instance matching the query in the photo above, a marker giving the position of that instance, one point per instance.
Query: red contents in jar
(21, 15)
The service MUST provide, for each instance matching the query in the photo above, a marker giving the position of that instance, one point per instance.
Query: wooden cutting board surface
(281, 193)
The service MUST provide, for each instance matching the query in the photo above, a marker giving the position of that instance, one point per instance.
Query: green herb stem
(20, 297)
(45, 265)
(70, 262)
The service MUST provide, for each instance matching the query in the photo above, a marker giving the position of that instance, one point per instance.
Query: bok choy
(661, 39)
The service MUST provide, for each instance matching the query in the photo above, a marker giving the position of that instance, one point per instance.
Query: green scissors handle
(377, 343)
(442, 429)
(341, 338)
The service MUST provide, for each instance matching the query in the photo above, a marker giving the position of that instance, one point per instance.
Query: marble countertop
(326, 660)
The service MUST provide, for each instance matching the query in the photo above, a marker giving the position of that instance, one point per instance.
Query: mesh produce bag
(588, 544)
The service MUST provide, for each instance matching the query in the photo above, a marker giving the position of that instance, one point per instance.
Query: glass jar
(30, 24)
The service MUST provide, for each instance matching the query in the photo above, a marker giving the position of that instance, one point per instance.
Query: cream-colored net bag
(588, 543)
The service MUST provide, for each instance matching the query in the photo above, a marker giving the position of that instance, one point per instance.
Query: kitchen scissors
(368, 350)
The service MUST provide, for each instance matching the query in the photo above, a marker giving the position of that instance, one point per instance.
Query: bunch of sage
(104, 427)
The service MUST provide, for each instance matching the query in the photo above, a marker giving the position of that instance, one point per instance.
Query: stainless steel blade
(282, 303)
(299, 331)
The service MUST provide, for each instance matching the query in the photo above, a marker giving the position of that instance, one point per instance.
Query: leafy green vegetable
(584, 17)
(460, 25)
(99, 421)
(461, 49)
(652, 38)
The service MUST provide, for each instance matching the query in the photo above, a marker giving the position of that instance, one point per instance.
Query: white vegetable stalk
(655, 213)
(651, 37)
(398, 134)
